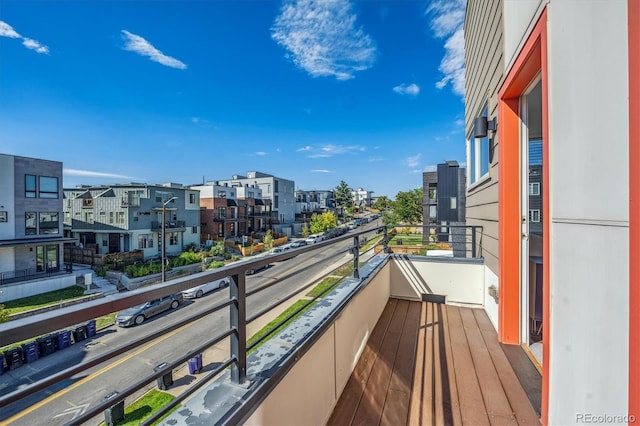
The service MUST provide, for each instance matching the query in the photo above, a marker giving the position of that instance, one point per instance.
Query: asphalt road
(64, 401)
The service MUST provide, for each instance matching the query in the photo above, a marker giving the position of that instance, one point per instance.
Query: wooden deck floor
(433, 364)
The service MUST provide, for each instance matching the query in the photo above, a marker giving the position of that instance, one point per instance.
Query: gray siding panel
(484, 46)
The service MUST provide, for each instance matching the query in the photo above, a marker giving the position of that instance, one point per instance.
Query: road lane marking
(86, 379)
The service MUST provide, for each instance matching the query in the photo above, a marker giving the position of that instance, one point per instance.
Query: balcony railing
(155, 225)
(9, 277)
(237, 332)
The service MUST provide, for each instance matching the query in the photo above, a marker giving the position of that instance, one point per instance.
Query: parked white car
(203, 289)
(315, 238)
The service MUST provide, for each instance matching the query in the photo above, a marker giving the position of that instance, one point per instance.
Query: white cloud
(413, 161)
(447, 20)
(407, 89)
(331, 150)
(321, 171)
(137, 44)
(34, 45)
(323, 39)
(261, 153)
(89, 173)
(375, 159)
(7, 30)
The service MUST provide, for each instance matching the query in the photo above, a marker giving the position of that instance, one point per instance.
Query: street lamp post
(164, 242)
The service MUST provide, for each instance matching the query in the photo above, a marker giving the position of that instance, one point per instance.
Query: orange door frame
(531, 61)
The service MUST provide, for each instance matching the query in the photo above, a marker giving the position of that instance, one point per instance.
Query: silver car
(203, 289)
(136, 315)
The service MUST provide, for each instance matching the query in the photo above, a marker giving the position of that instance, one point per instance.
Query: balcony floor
(433, 364)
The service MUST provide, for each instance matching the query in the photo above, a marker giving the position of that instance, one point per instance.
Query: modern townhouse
(231, 211)
(552, 118)
(125, 217)
(31, 235)
(314, 201)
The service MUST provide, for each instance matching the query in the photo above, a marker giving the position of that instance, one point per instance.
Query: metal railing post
(473, 242)
(238, 321)
(385, 240)
(356, 255)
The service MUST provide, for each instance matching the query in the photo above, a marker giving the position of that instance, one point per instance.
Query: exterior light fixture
(481, 128)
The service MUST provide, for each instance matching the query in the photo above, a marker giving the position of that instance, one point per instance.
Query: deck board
(433, 364)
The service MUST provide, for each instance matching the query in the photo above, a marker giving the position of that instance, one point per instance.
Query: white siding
(588, 143)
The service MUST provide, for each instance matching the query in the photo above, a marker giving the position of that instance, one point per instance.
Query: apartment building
(31, 233)
(542, 79)
(314, 201)
(124, 217)
(231, 211)
(279, 191)
(362, 198)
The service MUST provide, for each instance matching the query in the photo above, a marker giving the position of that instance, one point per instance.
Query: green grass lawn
(407, 239)
(44, 299)
(141, 409)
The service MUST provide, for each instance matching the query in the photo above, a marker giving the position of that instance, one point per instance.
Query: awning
(231, 203)
(259, 202)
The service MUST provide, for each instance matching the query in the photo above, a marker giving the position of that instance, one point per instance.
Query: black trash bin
(115, 413)
(166, 380)
(399, 241)
(79, 333)
(14, 358)
(46, 344)
(30, 352)
(64, 339)
(91, 328)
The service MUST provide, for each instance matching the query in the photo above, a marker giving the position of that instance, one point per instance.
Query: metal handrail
(39, 324)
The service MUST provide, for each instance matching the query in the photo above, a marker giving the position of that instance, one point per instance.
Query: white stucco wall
(519, 16)
(588, 151)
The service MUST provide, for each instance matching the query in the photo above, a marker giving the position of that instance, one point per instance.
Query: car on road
(298, 243)
(203, 289)
(136, 315)
(315, 238)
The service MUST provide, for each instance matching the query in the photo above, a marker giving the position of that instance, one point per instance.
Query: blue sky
(369, 92)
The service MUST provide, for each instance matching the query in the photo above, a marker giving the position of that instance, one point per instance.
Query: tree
(268, 240)
(4, 314)
(382, 203)
(344, 199)
(408, 206)
(305, 230)
(323, 222)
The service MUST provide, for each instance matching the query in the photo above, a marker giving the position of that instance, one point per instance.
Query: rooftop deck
(428, 363)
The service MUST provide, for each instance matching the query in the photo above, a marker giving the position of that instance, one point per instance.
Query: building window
(534, 188)
(120, 218)
(173, 238)
(48, 187)
(222, 212)
(192, 198)
(534, 215)
(30, 225)
(454, 203)
(194, 229)
(145, 241)
(30, 186)
(4, 216)
(88, 217)
(105, 243)
(110, 217)
(49, 223)
(67, 217)
(222, 194)
(478, 160)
